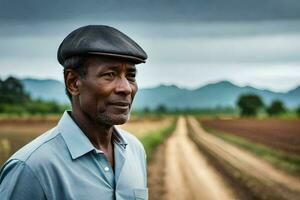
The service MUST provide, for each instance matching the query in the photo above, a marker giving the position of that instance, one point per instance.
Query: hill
(222, 93)
(46, 89)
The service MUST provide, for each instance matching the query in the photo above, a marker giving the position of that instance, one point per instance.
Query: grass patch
(153, 139)
(283, 160)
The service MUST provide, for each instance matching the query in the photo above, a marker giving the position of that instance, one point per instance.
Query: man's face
(107, 90)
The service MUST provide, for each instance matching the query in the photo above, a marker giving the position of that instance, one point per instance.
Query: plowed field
(277, 133)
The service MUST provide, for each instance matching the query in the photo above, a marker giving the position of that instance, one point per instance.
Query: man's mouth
(120, 104)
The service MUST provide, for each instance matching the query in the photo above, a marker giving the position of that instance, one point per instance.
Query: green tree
(161, 109)
(249, 104)
(12, 92)
(298, 111)
(276, 108)
(146, 110)
(14, 100)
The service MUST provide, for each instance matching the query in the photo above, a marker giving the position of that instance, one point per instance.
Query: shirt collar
(119, 139)
(77, 142)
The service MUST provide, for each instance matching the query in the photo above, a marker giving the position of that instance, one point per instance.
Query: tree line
(163, 109)
(251, 104)
(15, 100)
(247, 105)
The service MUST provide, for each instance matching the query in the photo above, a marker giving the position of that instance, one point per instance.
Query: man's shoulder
(38, 149)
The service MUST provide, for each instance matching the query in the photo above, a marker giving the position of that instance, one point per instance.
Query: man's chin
(116, 119)
(120, 119)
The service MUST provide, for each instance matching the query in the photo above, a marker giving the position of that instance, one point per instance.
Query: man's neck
(100, 135)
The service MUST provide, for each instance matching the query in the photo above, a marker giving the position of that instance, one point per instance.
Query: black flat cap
(100, 40)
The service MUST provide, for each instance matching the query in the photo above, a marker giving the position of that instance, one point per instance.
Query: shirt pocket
(141, 194)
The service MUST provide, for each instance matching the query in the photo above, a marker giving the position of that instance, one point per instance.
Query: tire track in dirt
(188, 174)
(270, 183)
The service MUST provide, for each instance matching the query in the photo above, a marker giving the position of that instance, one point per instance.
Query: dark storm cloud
(248, 41)
(145, 10)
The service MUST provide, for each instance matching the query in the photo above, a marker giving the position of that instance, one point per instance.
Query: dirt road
(180, 170)
(188, 175)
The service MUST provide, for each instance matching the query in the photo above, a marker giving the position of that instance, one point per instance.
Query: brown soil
(184, 172)
(142, 127)
(281, 134)
(29, 120)
(260, 177)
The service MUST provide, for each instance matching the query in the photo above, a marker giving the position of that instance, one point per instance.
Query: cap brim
(136, 60)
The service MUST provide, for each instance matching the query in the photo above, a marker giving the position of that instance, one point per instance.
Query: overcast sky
(248, 42)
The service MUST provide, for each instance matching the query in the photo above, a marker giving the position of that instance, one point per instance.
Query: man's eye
(131, 76)
(109, 74)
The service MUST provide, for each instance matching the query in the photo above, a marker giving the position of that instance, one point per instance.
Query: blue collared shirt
(62, 164)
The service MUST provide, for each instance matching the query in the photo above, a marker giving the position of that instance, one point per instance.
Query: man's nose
(123, 86)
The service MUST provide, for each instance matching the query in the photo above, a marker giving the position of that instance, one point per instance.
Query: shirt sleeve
(18, 182)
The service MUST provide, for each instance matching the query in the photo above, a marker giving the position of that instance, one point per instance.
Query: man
(85, 156)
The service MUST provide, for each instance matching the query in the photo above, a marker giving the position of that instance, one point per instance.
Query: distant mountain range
(222, 93)
(46, 89)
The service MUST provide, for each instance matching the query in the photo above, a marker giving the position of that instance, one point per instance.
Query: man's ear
(72, 82)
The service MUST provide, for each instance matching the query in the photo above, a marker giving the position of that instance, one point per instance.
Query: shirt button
(106, 169)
